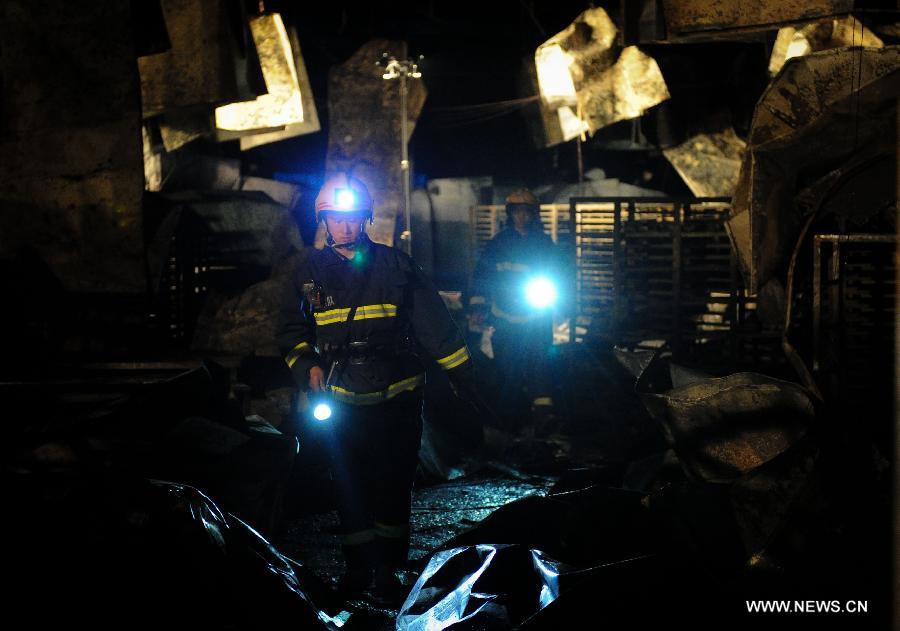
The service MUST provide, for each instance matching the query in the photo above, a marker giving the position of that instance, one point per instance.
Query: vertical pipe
(619, 308)
(835, 338)
(580, 162)
(573, 304)
(404, 164)
(817, 303)
(676, 279)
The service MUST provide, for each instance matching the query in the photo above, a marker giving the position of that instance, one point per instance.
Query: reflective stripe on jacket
(400, 318)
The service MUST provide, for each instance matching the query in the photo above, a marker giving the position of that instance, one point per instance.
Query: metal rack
(854, 287)
(647, 270)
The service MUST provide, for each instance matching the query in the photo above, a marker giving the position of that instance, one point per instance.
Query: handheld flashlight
(322, 411)
(540, 292)
(344, 198)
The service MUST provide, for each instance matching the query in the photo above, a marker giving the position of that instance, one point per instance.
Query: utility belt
(359, 353)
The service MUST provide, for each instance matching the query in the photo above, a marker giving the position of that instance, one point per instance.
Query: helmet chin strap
(346, 246)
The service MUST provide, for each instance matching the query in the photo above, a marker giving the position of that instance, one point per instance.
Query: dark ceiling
(474, 53)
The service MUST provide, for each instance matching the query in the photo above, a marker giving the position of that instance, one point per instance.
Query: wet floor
(439, 513)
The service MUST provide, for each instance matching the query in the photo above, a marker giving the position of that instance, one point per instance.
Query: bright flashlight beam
(322, 412)
(345, 198)
(540, 292)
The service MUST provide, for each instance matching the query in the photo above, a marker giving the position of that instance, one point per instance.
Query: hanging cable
(463, 115)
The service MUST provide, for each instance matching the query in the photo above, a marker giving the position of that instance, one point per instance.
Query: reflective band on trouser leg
(359, 537)
(542, 401)
(389, 531)
(296, 352)
(454, 359)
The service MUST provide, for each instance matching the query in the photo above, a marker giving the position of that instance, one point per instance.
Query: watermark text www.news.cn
(807, 606)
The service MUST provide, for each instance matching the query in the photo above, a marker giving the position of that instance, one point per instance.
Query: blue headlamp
(345, 198)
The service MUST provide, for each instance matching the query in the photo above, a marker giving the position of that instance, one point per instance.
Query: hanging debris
(586, 82)
(202, 66)
(310, 122)
(629, 88)
(282, 104)
(796, 41)
(709, 163)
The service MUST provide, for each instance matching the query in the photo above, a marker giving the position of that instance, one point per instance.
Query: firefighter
(515, 287)
(358, 321)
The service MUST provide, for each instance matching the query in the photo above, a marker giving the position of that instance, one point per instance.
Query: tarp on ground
(111, 552)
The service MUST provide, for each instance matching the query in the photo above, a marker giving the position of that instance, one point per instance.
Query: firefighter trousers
(522, 356)
(374, 453)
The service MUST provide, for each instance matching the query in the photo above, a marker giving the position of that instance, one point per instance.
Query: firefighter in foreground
(357, 323)
(516, 286)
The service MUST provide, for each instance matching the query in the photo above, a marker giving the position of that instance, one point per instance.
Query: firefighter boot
(360, 572)
(392, 552)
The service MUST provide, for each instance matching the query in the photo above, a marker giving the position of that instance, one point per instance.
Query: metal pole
(404, 165)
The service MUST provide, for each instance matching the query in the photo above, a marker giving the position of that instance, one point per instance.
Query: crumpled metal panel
(282, 104)
(629, 88)
(796, 41)
(587, 82)
(153, 170)
(310, 121)
(819, 111)
(709, 163)
(579, 51)
(692, 16)
(200, 68)
(179, 127)
(724, 427)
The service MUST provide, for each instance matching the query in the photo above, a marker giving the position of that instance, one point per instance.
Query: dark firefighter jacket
(509, 260)
(400, 320)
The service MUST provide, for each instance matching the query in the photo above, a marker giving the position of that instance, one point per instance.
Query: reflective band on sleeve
(509, 317)
(296, 353)
(371, 398)
(454, 359)
(508, 266)
(392, 532)
(477, 300)
(363, 312)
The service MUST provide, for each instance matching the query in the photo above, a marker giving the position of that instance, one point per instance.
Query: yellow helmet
(522, 196)
(342, 193)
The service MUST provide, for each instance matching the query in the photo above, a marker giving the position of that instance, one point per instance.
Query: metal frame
(602, 235)
(836, 301)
